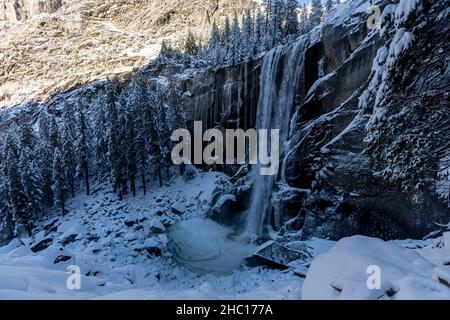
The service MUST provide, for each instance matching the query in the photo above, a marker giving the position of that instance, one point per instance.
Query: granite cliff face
(333, 181)
(19, 10)
(63, 45)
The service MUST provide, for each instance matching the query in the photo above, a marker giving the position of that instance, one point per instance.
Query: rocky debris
(50, 225)
(69, 239)
(130, 223)
(42, 245)
(190, 172)
(62, 258)
(156, 226)
(276, 256)
(225, 210)
(154, 251)
(176, 211)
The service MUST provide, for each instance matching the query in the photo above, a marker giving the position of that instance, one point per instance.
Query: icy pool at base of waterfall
(204, 247)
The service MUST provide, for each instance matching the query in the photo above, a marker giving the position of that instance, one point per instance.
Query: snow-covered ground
(123, 251)
(367, 268)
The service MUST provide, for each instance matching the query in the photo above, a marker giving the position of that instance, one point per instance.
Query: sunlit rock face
(97, 39)
(17, 10)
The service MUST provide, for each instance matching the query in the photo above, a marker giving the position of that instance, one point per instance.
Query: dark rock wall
(226, 98)
(331, 187)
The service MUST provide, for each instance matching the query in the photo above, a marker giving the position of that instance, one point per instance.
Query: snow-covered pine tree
(224, 53)
(29, 169)
(151, 126)
(138, 148)
(82, 148)
(45, 157)
(122, 156)
(27, 138)
(303, 25)
(236, 42)
(18, 202)
(316, 13)
(164, 132)
(53, 136)
(248, 32)
(276, 19)
(100, 138)
(115, 155)
(176, 116)
(190, 44)
(31, 182)
(69, 156)
(328, 6)
(134, 101)
(291, 23)
(60, 189)
(260, 31)
(6, 219)
(214, 45)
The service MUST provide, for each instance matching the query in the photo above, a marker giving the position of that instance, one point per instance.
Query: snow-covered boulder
(190, 172)
(274, 255)
(350, 270)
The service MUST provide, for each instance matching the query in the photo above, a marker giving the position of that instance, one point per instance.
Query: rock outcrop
(334, 182)
(19, 10)
(83, 41)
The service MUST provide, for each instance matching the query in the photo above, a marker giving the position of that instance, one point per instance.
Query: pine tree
(115, 154)
(100, 140)
(275, 21)
(260, 31)
(60, 189)
(54, 138)
(6, 219)
(292, 24)
(31, 182)
(190, 45)
(69, 159)
(82, 149)
(18, 202)
(226, 32)
(151, 127)
(225, 51)
(26, 136)
(130, 137)
(176, 116)
(166, 51)
(214, 44)
(328, 6)
(164, 132)
(303, 26)
(122, 161)
(45, 157)
(316, 13)
(248, 30)
(236, 42)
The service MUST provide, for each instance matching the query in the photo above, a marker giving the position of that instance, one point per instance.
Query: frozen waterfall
(280, 76)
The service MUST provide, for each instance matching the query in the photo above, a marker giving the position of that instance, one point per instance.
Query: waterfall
(280, 74)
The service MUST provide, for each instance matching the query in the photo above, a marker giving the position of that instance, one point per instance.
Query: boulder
(42, 245)
(62, 258)
(276, 256)
(154, 251)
